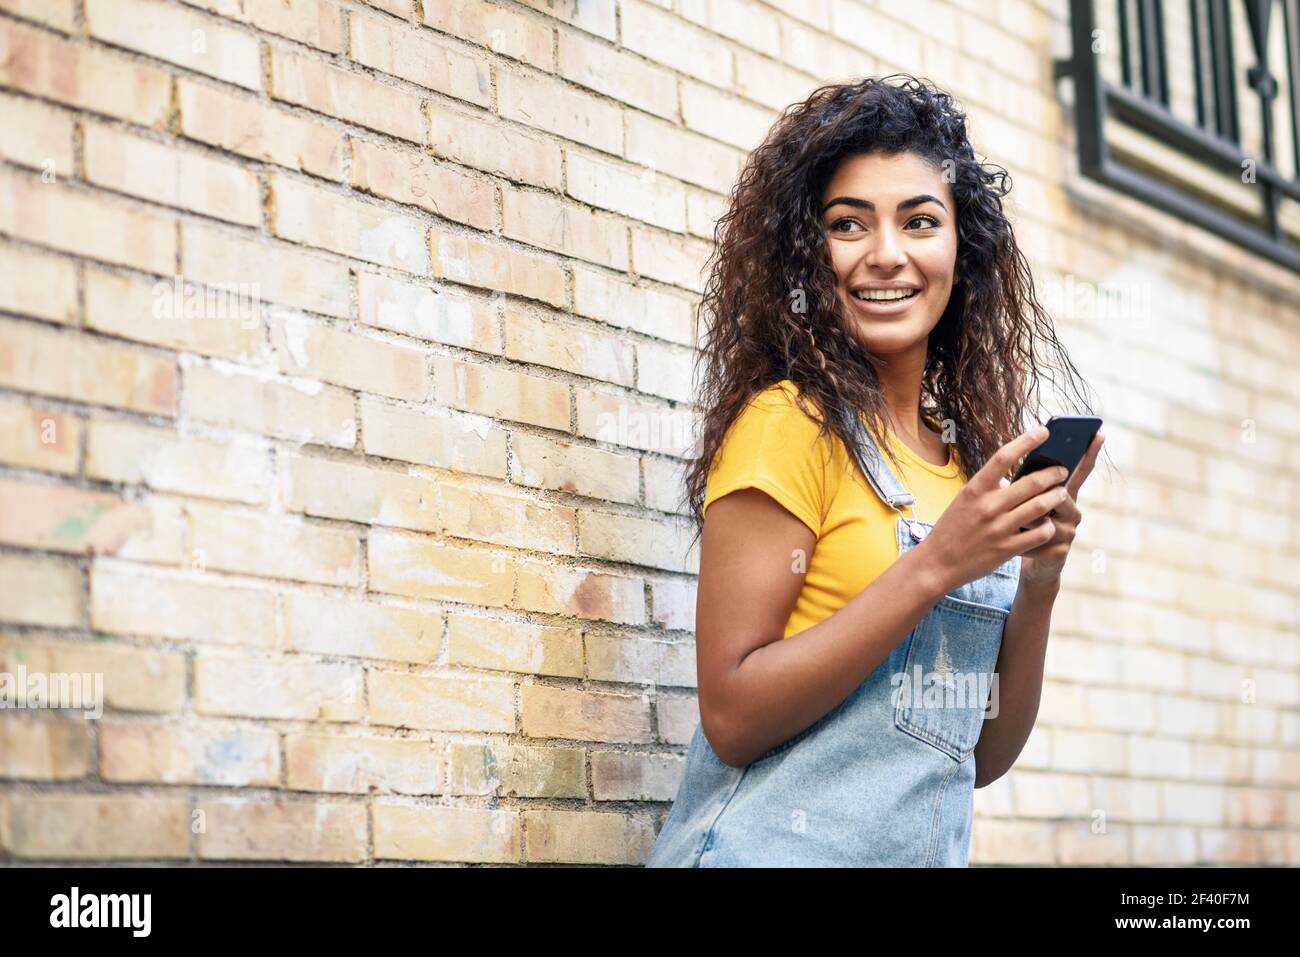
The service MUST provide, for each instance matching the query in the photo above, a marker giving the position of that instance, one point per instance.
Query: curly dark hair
(982, 367)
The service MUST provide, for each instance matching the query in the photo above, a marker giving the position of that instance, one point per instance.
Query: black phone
(1069, 438)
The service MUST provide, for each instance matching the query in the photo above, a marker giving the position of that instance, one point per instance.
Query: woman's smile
(884, 304)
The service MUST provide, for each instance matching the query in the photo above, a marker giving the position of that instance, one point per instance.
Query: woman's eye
(852, 225)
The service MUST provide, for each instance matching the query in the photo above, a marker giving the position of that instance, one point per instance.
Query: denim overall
(882, 780)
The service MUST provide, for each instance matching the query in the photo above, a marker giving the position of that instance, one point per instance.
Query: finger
(1067, 512)
(1001, 461)
(1084, 468)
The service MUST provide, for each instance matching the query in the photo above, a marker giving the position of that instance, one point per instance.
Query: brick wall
(345, 366)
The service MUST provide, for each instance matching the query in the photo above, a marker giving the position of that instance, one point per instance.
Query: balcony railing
(1183, 75)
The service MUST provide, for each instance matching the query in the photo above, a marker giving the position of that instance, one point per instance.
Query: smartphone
(1069, 438)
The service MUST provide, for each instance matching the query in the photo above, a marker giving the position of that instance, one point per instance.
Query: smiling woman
(869, 370)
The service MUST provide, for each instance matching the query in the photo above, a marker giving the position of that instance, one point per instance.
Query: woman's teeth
(885, 295)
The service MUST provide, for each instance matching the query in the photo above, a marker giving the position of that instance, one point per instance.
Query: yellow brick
(253, 129)
(617, 75)
(40, 590)
(569, 347)
(305, 347)
(277, 688)
(275, 272)
(665, 488)
(159, 459)
(99, 827)
(437, 314)
(624, 420)
(587, 837)
(416, 56)
(640, 541)
(61, 519)
(474, 262)
(238, 829)
(469, 834)
(612, 299)
(487, 515)
(518, 771)
(635, 776)
(501, 393)
(665, 370)
(36, 135)
(55, 13)
(356, 493)
(35, 284)
(527, 648)
(503, 31)
(317, 217)
(84, 368)
(585, 715)
(422, 567)
(543, 462)
(326, 625)
(349, 96)
(544, 103)
(183, 608)
(173, 754)
(299, 410)
(178, 36)
(640, 659)
(539, 219)
(39, 438)
(668, 40)
(676, 260)
(436, 703)
(410, 177)
(630, 190)
(465, 443)
(175, 314)
(362, 765)
(483, 142)
(172, 177)
(42, 749)
(86, 224)
(581, 593)
(84, 76)
(274, 546)
(134, 679)
(317, 23)
(597, 18)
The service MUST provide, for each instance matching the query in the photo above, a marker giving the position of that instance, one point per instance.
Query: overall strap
(879, 475)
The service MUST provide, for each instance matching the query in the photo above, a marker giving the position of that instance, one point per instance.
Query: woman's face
(891, 227)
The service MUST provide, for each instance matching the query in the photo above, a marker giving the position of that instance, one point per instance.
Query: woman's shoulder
(785, 399)
(778, 414)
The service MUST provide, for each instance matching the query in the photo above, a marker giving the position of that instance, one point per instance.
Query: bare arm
(757, 690)
(1020, 682)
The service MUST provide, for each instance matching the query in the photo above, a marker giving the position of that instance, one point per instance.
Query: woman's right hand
(981, 528)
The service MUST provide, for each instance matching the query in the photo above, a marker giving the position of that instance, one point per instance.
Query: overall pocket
(948, 676)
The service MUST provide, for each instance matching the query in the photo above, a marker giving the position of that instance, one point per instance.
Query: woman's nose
(886, 250)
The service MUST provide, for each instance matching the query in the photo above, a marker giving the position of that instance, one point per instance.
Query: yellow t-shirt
(773, 446)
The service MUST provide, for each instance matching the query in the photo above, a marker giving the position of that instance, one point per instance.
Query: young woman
(871, 355)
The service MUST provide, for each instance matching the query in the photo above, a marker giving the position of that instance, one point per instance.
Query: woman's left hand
(1043, 565)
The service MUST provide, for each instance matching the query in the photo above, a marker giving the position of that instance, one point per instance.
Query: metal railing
(1141, 99)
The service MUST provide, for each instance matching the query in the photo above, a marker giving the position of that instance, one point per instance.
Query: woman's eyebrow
(868, 205)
